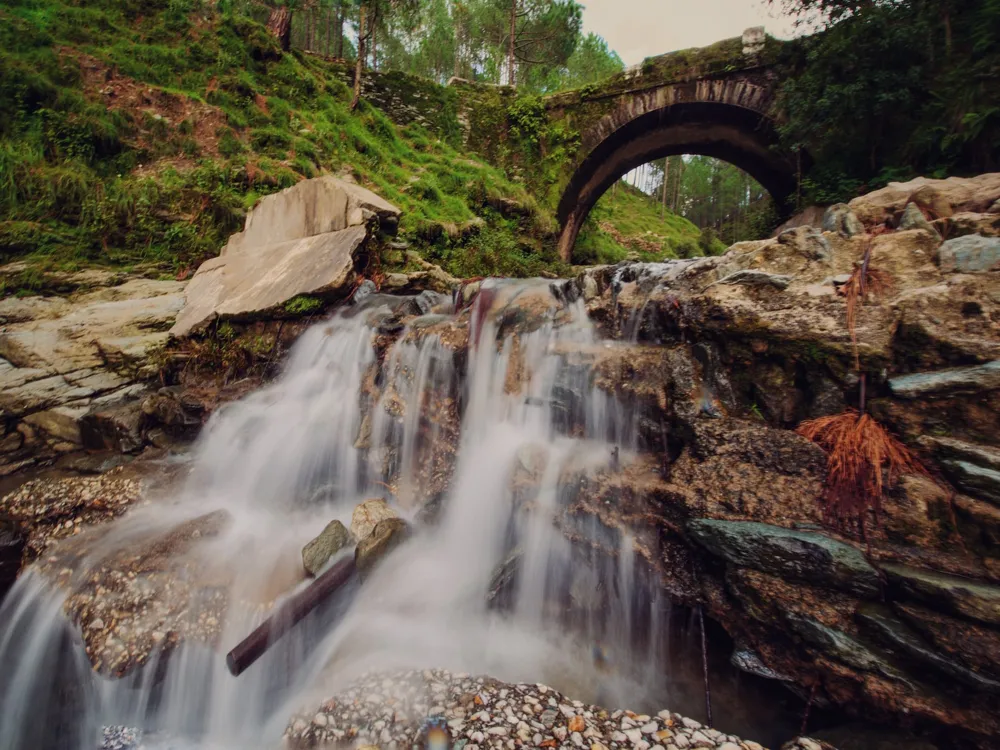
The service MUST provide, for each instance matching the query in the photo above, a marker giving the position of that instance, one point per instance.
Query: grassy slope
(139, 132)
(626, 220)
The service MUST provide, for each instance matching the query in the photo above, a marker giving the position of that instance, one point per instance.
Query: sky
(637, 29)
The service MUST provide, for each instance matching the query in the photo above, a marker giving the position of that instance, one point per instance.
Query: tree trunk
(511, 78)
(359, 66)
(279, 23)
(663, 196)
(340, 30)
(329, 26)
(374, 25)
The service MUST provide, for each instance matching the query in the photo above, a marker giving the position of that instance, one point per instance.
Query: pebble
(390, 709)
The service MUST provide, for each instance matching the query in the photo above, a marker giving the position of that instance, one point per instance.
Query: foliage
(303, 304)
(203, 115)
(892, 89)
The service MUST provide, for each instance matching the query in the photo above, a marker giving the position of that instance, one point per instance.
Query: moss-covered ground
(138, 133)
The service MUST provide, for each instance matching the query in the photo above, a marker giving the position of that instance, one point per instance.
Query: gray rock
(913, 218)
(367, 515)
(313, 207)
(976, 600)
(756, 278)
(976, 480)
(329, 542)
(972, 253)
(841, 219)
(897, 636)
(797, 555)
(256, 280)
(807, 242)
(951, 382)
(842, 647)
(950, 448)
(750, 662)
(385, 537)
(365, 288)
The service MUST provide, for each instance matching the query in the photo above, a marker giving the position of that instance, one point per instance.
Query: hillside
(137, 133)
(628, 221)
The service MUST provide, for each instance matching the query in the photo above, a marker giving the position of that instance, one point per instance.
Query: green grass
(638, 228)
(208, 116)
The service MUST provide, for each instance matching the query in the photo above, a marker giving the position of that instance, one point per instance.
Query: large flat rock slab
(317, 206)
(244, 284)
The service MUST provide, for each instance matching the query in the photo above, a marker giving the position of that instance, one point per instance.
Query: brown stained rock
(974, 644)
(367, 515)
(770, 599)
(917, 512)
(954, 194)
(388, 534)
(53, 509)
(148, 596)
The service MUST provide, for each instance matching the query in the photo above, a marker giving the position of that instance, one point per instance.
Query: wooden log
(280, 24)
(251, 648)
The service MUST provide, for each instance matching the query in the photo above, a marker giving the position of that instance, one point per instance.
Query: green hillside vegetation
(141, 131)
(626, 222)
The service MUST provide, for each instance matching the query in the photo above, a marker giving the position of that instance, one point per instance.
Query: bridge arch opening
(731, 133)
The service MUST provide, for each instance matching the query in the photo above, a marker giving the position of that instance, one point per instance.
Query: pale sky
(637, 29)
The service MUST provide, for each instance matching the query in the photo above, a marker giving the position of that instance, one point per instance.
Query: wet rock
(900, 639)
(976, 480)
(843, 647)
(388, 534)
(50, 509)
(365, 288)
(963, 596)
(841, 219)
(503, 582)
(12, 543)
(118, 428)
(180, 417)
(756, 278)
(367, 515)
(747, 660)
(972, 253)
(913, 218)
(976, 646)
(951, 382)
(330, 541)
(798, 555)
(807, 743)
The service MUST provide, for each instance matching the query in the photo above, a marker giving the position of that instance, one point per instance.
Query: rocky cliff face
(711, 363)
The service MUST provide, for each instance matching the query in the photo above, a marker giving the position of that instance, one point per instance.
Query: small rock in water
(121, 738)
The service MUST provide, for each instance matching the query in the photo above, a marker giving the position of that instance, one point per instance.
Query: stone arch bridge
(717, 101)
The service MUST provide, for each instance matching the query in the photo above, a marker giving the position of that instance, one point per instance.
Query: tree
(590, 62)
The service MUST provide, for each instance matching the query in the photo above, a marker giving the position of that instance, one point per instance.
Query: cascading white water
(286, 460)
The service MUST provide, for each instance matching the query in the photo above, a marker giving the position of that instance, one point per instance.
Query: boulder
(330, 541)
(970, 598)
(841, 219)
(913, 218)
(951, 382)
(257, 280)
(971, 253)
(313, 207)
(118, 428)
(797, 555)
(388, 534)
(979, 481)
(367, 515)
(975, 645)
(943, 197)
(967, 222)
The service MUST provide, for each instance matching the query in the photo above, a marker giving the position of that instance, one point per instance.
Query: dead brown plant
(863, 462)
(865, 281)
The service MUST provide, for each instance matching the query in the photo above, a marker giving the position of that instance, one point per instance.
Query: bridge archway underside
(725, 119)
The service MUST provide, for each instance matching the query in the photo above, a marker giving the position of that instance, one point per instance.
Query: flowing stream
(286, 460)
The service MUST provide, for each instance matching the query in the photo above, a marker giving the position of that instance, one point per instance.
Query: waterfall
(347, 421)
